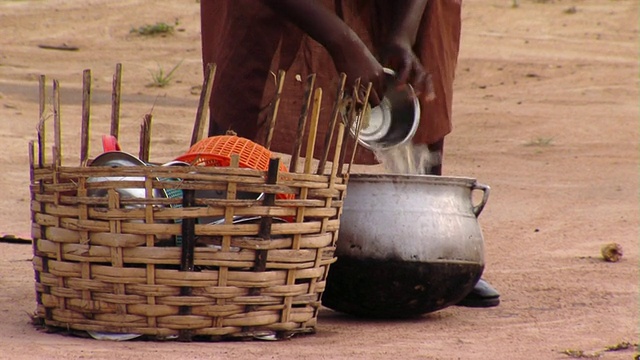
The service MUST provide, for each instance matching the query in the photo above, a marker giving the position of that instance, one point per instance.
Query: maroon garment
(250, 43)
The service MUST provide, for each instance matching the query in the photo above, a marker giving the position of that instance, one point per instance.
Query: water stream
(408, 158)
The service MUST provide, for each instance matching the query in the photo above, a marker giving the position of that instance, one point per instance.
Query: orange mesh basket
(217, 151)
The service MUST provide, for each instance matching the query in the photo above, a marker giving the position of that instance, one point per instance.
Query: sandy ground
(546, 113)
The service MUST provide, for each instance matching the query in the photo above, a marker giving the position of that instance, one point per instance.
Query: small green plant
(540, 142)
(155, 29)
(620, 346)
(580, 354)
(160, 78)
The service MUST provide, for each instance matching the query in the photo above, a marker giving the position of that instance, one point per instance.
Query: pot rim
(411, 178)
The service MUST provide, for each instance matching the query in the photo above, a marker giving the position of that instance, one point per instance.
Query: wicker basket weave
(107, 262)
(100, 265)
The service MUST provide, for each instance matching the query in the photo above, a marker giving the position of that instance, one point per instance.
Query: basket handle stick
(313, 130)
(308, 90)
(57, 131)
(145, 137)
(350, 119)
(274, 113)
(264, 232)
(86, 116)
(360, 120)
(187, 256)
(31, 160)
(115, 101)
(336, 167)
(332, 125)
(260, 261)
(203, 103)
(188, 232)
(41, 128)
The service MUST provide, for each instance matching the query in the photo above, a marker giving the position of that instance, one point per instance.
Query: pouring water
(407, 158)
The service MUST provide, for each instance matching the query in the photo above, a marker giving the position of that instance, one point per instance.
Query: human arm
(350, 55)
(396, 49)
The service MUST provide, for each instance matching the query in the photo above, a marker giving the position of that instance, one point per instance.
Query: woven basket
(109, 264)
(124, 250)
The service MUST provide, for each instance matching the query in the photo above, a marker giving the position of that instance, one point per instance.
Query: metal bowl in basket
(115, 159)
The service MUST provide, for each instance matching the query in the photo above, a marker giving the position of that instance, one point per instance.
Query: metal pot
(408, 245)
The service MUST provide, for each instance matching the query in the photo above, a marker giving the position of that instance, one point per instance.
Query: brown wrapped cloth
(250, 43)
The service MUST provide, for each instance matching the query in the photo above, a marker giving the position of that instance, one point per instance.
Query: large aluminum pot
(407, 245)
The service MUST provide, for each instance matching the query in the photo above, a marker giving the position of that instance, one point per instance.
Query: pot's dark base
(396, 289)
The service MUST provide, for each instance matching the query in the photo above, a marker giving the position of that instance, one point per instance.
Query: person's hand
(350, 55)
(399, 56)
(357, 62)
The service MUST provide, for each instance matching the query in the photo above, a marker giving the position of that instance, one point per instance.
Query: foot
(483, 295)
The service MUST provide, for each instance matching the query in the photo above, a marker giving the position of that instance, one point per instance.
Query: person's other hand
(357, 62)
(399, 56)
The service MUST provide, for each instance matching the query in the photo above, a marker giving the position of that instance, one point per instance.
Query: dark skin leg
(436, 147)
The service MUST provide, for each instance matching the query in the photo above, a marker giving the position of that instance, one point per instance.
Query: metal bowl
(117, 159)
(394, 121)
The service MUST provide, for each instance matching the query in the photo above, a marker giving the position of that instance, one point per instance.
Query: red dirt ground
(546, 113)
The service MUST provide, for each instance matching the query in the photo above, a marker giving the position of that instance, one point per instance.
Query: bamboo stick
(41, 126)
(266, 221)
(313, 130)
(31, 161)
(145, 137)
(350, 119)
(332, 125)
(311, 79)
(359, 125)
(187, 256)
(231, 194)
(336, 168)
(274, 113)
(57, 131)
(300, 213)
(188, 233)
(264, 232)
(86, 116)
(115, 101)
(203, 103)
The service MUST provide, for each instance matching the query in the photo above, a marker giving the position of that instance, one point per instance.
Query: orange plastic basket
(217, 151)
